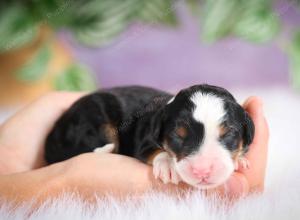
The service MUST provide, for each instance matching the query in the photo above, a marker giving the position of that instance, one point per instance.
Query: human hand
(244, 181)
(22, 136)
(126, 175)
(22, 140)
(22, 153)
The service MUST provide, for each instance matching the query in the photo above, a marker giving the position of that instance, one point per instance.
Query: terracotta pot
(14, 91)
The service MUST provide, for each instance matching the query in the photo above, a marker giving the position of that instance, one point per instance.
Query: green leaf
(36, 67)
(194, 6)
(75, 78)
(258, 24)
(55, 13)
(251, 20)
(17, 27)
(219, 18)
(157, 11)
(93, 22)
(97, 23)
(294, 55)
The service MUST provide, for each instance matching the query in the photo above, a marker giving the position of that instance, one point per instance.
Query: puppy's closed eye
(181, 132)
(226, 130)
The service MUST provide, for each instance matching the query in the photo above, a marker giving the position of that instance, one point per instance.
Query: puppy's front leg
(162, 162)
(241, 162)
(164, 169)
(108, 148)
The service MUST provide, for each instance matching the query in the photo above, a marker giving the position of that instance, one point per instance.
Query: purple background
(173, 58)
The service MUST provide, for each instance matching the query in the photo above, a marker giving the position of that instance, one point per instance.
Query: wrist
(10, 161)
(37, 185)
(92, 174)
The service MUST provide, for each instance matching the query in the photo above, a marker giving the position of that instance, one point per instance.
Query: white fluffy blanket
(281, 199)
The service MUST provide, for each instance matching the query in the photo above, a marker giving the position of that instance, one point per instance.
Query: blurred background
(249, 47)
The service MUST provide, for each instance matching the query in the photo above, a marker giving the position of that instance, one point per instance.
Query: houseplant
(32, 24)
(33, 61)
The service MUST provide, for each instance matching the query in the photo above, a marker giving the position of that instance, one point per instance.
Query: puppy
(198, 136)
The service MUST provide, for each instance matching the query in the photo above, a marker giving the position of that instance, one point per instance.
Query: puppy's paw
(163, 168)
(242, 163)
(108, 148)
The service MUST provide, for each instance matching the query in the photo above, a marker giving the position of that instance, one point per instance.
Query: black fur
(142, 122)
(130, 110)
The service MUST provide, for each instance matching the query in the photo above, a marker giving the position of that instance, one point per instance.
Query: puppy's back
(93, 120)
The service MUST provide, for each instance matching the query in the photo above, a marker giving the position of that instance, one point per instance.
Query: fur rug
(280, 200)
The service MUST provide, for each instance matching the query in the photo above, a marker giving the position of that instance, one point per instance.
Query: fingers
(52, 105)
(24, 133)
(237, 186)
(244, 181)
(257, 154)
(44, 110)
(60, 99)
(30, 125)
(254, 107)
(258, 148)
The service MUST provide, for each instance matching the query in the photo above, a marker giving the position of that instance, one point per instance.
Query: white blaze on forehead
(209, 110)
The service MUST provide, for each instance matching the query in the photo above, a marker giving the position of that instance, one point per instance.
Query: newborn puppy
(198, 136)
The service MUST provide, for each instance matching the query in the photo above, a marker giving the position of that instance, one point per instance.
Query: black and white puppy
(198, 136)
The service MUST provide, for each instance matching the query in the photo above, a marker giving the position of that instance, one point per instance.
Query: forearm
(37, 185)
(76, 175)
(113, 174)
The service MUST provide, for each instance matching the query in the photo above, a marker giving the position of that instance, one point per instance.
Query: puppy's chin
(219, 177)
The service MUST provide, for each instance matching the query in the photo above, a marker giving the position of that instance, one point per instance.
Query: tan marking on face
(238, 152)
(181, 132)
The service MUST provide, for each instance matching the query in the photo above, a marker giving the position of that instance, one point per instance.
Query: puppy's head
(205, 130)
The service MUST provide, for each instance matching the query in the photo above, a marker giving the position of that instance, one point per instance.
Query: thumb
(237, 186)
(258, 150)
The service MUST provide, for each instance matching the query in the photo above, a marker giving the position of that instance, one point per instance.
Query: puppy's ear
(249, 129)
(177, 103)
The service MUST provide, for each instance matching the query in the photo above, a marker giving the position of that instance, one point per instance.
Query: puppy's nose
(202, 173)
